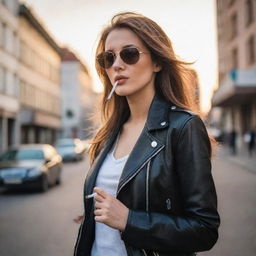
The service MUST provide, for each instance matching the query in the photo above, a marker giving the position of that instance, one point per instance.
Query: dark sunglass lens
(106, 59)
(100, 59)
(109, 59)
(130, 55)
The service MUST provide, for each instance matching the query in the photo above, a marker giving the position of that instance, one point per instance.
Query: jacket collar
(158, 114)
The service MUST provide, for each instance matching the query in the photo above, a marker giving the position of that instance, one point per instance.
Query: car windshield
(22, 154)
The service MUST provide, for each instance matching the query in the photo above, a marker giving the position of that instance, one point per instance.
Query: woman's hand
(78, 219)
(109, 210)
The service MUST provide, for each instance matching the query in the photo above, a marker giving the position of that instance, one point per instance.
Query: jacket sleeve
(197, 228)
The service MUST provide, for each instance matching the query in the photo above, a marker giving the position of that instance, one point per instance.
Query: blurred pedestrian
(149, 190)
(232, 142)
(251, 143)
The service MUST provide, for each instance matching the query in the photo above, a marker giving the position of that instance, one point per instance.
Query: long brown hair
(170, 82)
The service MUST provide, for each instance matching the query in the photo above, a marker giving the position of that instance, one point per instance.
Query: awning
(237, 88)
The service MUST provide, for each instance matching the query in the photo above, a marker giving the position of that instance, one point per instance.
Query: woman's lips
(122, 81)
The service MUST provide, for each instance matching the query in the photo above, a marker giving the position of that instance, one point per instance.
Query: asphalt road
(40, 224)
(236, 189)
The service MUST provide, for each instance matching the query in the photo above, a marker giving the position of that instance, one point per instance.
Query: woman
(150, 186)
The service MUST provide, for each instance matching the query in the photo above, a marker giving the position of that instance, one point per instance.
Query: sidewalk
(241, 158)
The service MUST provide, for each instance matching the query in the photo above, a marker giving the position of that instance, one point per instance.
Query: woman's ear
(157, 67)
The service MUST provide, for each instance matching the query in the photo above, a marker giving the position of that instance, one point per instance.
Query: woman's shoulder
(182, 111)
(180, 117)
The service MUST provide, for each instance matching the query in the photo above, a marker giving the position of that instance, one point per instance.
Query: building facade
(236, 96)
(9, 77)
(78, 97)
(39, 72)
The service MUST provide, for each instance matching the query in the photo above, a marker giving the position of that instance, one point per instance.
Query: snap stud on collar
(154, 144)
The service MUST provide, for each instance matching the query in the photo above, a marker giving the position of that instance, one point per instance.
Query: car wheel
(44, 184)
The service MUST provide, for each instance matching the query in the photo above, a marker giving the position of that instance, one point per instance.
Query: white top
(108, 240)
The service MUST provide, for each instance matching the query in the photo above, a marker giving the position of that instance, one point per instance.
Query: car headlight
(34, 172)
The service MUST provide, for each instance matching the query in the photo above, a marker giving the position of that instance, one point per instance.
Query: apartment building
(78, 97)
(9, 78)
(236, 95)
(39, 72)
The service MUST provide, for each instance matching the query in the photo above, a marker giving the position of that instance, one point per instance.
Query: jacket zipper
(147, 199)
(147, 186)
(144, 252)
(138, 170)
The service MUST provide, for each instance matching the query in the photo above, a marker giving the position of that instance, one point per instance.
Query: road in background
(41, 223)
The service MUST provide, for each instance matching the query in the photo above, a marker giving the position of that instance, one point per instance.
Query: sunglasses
(129, 55)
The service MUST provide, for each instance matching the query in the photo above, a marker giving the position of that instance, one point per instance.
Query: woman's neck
(139, 105)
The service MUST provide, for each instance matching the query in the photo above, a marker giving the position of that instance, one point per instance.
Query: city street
(41, 224)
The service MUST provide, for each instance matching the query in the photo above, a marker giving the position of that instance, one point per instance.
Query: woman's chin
(122, 92)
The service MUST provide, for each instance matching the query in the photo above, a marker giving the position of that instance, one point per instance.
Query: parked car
(70, 149)
(31, 166)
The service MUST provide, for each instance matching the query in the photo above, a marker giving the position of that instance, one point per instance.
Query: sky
(190, 24)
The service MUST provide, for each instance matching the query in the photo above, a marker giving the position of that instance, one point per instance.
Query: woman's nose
(118, 63)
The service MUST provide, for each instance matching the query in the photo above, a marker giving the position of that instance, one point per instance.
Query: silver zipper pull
(168, 203)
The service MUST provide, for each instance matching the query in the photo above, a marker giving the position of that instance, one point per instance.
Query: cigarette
(90, 196)
(113, 89)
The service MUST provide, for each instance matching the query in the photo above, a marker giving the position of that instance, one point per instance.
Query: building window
(8, 39)
(233, 31)
(234, 59)
(22, 52)
(2, 79)
(251, 55)
(17, 86)
(4, 35)
(10, 84)
(15, 45)
(69, 114)
(22, 92)
(249, 8)
(1, 34)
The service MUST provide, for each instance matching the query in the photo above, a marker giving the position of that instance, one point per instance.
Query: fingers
(98, 212)
(98, 205)
(100, 192)
(99, 198)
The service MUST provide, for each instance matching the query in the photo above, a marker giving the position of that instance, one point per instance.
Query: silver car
(70, 149)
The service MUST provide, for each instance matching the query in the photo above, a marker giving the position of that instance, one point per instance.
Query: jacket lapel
(146, 147)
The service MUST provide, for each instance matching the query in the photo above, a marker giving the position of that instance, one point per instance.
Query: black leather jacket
(167, 186)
